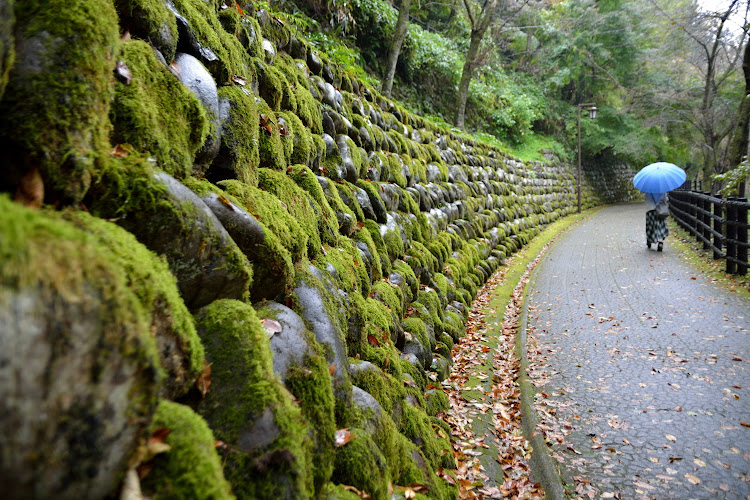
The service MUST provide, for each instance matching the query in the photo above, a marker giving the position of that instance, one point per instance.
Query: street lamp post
(591, 107)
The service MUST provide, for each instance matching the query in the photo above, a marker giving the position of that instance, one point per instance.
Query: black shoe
(648, 244)
(660, 247)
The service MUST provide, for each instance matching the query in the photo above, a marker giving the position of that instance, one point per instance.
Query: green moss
(191, 468)
(327, 222)
(422, 255)
(156, 114)
(417, 328)
(239, 137)
(394, 245)
(433, 442)
(298, 143)
(272, 212)
(346, 261)
(436, 401)
(299, 205)
(385, 388)
(376, 268)
(374, 230)
(395, 169)
(53, 115)
(273, 262)
(416, 372)
(151, 22)
(311, 385)
(270, 148)
(205, 25)
(361, 464)
(410, 284)
(337, 492)
(128, 191)
(274, 461)
(61, 273)
(151, 281)
(391, 296)
(415, 469)
(273, 87)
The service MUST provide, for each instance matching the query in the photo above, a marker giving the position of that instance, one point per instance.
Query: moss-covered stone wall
(228, 268)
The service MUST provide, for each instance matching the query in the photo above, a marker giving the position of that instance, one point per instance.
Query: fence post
(731, 235)
(706, 219)
(718, 230)
(694, 206)
(742, 237)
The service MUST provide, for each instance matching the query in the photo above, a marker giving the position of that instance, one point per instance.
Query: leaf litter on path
(500, 398)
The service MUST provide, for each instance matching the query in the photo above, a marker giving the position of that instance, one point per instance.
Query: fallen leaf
(343, 436)
(203, 382)
(239, 80)
(122, 73)
(671, 437)
(272, 326)
(692, 479)
(699, 462)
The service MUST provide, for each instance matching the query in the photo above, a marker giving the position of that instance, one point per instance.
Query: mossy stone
(270, 210)
(191, 468)
(172, 221)
(219, 51)
(81, 368)
(239, 155)
(151, 22)
(299, 205)
(361, 464)
(149, 278)
(156, 114)
(327, 221)
(270, 146)
(268, 448)
(54, 112)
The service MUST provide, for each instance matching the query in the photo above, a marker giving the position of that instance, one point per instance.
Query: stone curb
(543, 466)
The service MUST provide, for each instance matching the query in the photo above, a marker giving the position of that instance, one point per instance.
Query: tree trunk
(399, 34)
(466, 74)
(738, 149)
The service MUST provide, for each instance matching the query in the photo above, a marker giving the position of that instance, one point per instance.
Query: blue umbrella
(659, 177)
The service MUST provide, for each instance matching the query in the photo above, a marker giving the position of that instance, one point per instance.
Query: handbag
(662, 209)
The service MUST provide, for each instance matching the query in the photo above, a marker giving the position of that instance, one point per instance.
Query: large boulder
(267, 451)
(54, 112)
(171, 220)
(79, 370)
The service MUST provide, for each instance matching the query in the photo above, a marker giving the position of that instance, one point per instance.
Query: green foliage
(734, 178)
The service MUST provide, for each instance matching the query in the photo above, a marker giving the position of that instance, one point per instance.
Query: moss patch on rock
(239, 156)
(191, 468)
(156, 114)
(268, 450)
(270, 210)
(149, 278)
(299, 205)
(54, 112)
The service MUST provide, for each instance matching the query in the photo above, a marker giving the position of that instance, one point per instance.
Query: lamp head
(592, 112)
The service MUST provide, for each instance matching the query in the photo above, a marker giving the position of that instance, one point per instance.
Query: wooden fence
(720, 223)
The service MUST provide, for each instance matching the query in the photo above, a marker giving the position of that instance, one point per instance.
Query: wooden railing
(720, 223)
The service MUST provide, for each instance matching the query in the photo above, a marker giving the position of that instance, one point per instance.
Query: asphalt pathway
(643, 363)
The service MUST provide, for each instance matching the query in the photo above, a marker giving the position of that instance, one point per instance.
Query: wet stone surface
(642, 366)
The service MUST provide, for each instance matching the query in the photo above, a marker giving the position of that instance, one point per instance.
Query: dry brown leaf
(343, 436)
(272, 326)
(692, 479)
(203, 382)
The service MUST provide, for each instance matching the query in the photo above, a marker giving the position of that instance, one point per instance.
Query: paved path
(648, 365)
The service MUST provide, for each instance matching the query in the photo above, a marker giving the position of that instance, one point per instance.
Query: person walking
(656, 219)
